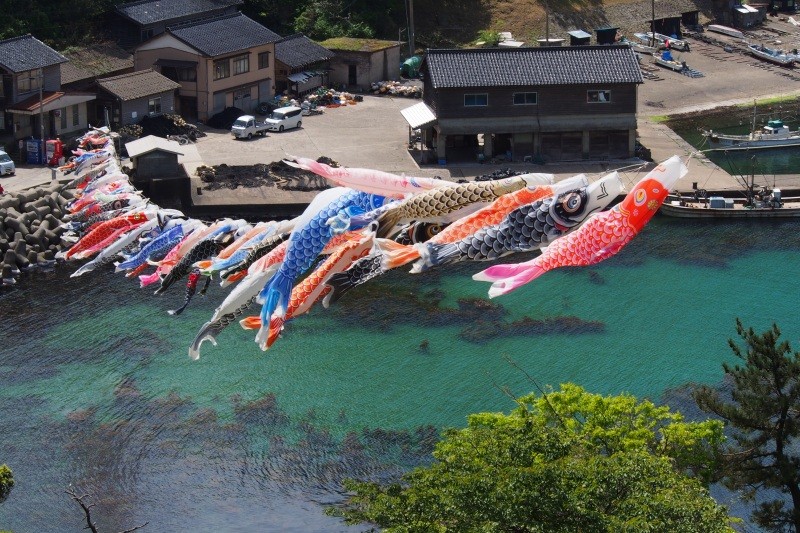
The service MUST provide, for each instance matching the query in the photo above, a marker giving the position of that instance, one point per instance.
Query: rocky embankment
(30, 230)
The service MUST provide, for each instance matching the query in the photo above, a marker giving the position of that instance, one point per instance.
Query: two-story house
(136, 22)
(30, 93)
(558, 103)
(221, 62)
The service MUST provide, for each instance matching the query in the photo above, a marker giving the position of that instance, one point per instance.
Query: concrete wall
(156, 164)
(370, 66)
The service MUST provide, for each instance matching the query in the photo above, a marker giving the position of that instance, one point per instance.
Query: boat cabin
(775, 127)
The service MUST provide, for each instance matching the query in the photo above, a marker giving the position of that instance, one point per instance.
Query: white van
(285, 118)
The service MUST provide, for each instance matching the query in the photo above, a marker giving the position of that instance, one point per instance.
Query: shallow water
(97, 391)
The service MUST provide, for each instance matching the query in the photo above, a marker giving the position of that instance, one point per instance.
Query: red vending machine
(54, 151)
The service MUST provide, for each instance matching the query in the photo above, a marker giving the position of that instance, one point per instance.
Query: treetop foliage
(566, 460)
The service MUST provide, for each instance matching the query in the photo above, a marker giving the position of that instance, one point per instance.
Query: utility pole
(41, 112)
(410, 20)
(653, 25)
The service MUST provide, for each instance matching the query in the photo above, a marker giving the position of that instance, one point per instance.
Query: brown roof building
(129, 97)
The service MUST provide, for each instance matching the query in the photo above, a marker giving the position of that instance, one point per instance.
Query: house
(136, 22)
(359, 63)
(301, 65)
(87, 65)
(557, 103)
(127, 98)
(31, 95)
(222, 62)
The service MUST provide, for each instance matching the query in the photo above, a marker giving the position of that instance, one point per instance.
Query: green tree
(323, 19)
(563, 461)
(762, 412)
(6, 482)
(489, 37)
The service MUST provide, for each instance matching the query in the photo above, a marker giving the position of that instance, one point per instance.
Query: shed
(129, 97)
(579, 38)
(301, 64)
(361, 62)
(747, 16)
(154, 158)
(606, 35)
(783, 5)
(667, 25)
(690, 19)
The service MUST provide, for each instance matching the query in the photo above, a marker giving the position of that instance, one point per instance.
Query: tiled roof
(224, 35)
(297, 51)
(146, 12)
(26, 52)
(138, 84)
(94, 61)
(484, 67)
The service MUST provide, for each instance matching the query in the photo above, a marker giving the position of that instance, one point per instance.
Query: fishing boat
(749, 203)
(639, 47)
(662, 41)
(775, 134)
(666, 60)
(773, 56)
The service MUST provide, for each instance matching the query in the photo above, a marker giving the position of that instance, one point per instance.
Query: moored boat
(666, 60)
(662, 41)
(773, 56)
(748, 204)
(775, 134)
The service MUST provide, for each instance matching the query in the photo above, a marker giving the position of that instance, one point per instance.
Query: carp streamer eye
(572, 203)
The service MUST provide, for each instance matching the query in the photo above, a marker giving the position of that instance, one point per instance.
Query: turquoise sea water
(97, 391)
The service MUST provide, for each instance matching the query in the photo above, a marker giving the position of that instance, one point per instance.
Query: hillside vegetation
(438, 23)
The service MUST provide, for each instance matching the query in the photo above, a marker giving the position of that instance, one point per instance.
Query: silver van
(7, 166)
(285, 118)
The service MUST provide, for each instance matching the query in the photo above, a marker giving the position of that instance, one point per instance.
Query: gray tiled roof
(223, 35)
(26, 52)
(484, 67)
(138, 84)
(297, 51)
(146, 12)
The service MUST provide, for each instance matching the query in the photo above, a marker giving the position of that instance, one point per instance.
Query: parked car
(285, 118)
(7, 166)
(247, 126)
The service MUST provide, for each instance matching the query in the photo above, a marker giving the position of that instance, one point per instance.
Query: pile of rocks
(30, 230)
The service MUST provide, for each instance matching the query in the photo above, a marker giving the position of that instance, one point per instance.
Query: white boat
(666, 60)
(725, 30)
(639, 47)
(775, 134)
(662, 41)
(773, 56)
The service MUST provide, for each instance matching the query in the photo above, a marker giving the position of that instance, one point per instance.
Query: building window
(29, 81)
(241, 64)
(154, 106)
(146, 34)
(76, 115)
(598, 97)
(476, 100)
(263, 60)
(63, 113)
(525, 98)
(180, 74)
(222, 69)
